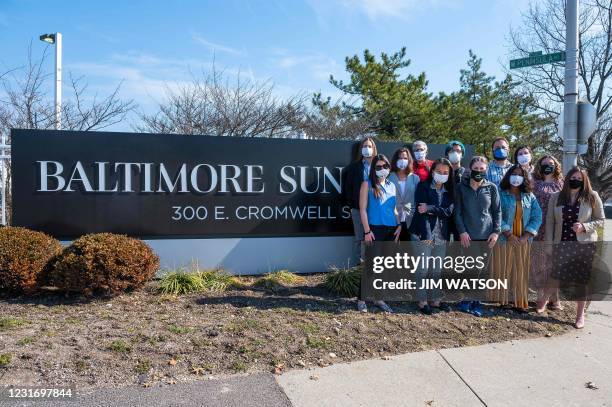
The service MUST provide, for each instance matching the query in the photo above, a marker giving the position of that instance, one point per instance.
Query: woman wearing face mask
(477, 214)
(378, 211)
(522, 157)
(405, 185)
(574, 215)
(421, 163)
(500, 163)
(435, 203)
(548, 179)
(521, 219)
(455, 150)
(356, 173)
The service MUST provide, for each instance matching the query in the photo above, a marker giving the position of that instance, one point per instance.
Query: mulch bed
(148, 338)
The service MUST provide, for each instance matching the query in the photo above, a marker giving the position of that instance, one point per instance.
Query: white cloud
(216, 47)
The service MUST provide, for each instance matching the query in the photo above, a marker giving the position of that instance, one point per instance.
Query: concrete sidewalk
(544, 372)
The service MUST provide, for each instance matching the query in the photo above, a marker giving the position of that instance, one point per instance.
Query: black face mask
(575, 183)
(477, 175)
(548, 169)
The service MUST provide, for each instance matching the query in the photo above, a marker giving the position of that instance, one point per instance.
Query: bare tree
(26, 102)
(543, 29)
(335, 120)
(212, 105)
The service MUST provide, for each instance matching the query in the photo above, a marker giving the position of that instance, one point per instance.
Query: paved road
(247, 391)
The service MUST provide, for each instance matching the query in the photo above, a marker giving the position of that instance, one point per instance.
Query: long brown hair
(373, 178)
(396, 157)
(525, 187)
(449, 185)
(374, 149)
(557, 173)
(586, 193)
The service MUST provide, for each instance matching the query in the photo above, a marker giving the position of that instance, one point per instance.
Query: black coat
(423, 223)
(353, 177)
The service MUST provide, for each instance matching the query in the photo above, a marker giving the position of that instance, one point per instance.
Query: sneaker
(476, 308)
(383, 306)
(425, 309)
(464, 306)
(361, 306)
(445, 307)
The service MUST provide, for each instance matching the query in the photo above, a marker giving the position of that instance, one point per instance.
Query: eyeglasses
(381, 167)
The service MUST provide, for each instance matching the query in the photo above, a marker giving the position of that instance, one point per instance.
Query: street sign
(537, 58)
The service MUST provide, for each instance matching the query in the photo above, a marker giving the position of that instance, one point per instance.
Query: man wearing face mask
(421, 163)
(455, 151)
(357, 172)
(500, 164)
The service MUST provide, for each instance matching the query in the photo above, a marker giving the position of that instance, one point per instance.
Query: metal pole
(58, 81)
(3, 177)
(570, 119)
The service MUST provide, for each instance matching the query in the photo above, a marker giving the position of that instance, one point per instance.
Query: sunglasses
(381, 167)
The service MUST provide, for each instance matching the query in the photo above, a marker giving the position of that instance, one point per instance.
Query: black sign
(156, 185)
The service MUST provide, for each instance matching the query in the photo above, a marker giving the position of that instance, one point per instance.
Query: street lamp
(57, 40)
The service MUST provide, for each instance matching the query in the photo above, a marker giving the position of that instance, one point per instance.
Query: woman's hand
(465, 239)
(397, 232)
(492, 240)
(525, 238)
(422, 208)
(512, 239)
(369, 237)
(578, 228)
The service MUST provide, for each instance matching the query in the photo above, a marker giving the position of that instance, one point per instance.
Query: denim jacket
(532, 213)
(423, 224)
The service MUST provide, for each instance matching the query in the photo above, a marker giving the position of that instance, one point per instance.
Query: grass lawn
(146, 337)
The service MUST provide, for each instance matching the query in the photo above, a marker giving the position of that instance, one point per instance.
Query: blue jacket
(532, 213)
(424, 223)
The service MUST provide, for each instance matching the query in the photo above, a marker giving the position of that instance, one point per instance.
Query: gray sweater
(477, 212)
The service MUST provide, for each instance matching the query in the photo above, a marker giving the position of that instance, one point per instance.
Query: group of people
(518, 201)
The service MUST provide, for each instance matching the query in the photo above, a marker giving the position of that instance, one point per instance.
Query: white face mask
(440, 178)
(367, 152)
(524, 159)
(402, 163)
(382, 173)
(420, 155)
(454, 157)
(516, 180)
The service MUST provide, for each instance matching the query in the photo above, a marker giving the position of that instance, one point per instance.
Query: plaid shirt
(495, 172)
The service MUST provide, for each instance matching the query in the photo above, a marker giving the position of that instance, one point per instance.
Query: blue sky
(151, 45)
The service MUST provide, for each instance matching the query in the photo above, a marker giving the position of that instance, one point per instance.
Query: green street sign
(536, 58)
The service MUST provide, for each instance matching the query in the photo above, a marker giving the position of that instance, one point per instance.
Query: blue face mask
(500, 153)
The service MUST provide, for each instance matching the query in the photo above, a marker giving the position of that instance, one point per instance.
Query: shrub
(180, 282)
(24, 255)
(344, 281)
(185, 282)
(104, 262)
(278, 279)
(218, 280)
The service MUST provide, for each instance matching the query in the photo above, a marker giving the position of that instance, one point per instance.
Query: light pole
(57, 40)
(570, 115)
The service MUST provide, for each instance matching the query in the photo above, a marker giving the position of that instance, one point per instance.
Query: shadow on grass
(319, 299)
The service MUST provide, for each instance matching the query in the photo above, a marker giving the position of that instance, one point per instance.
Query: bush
(180, 282)
(24, 254)
(278, 279)
(218, 280)
(344, 281)
(103, 262)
